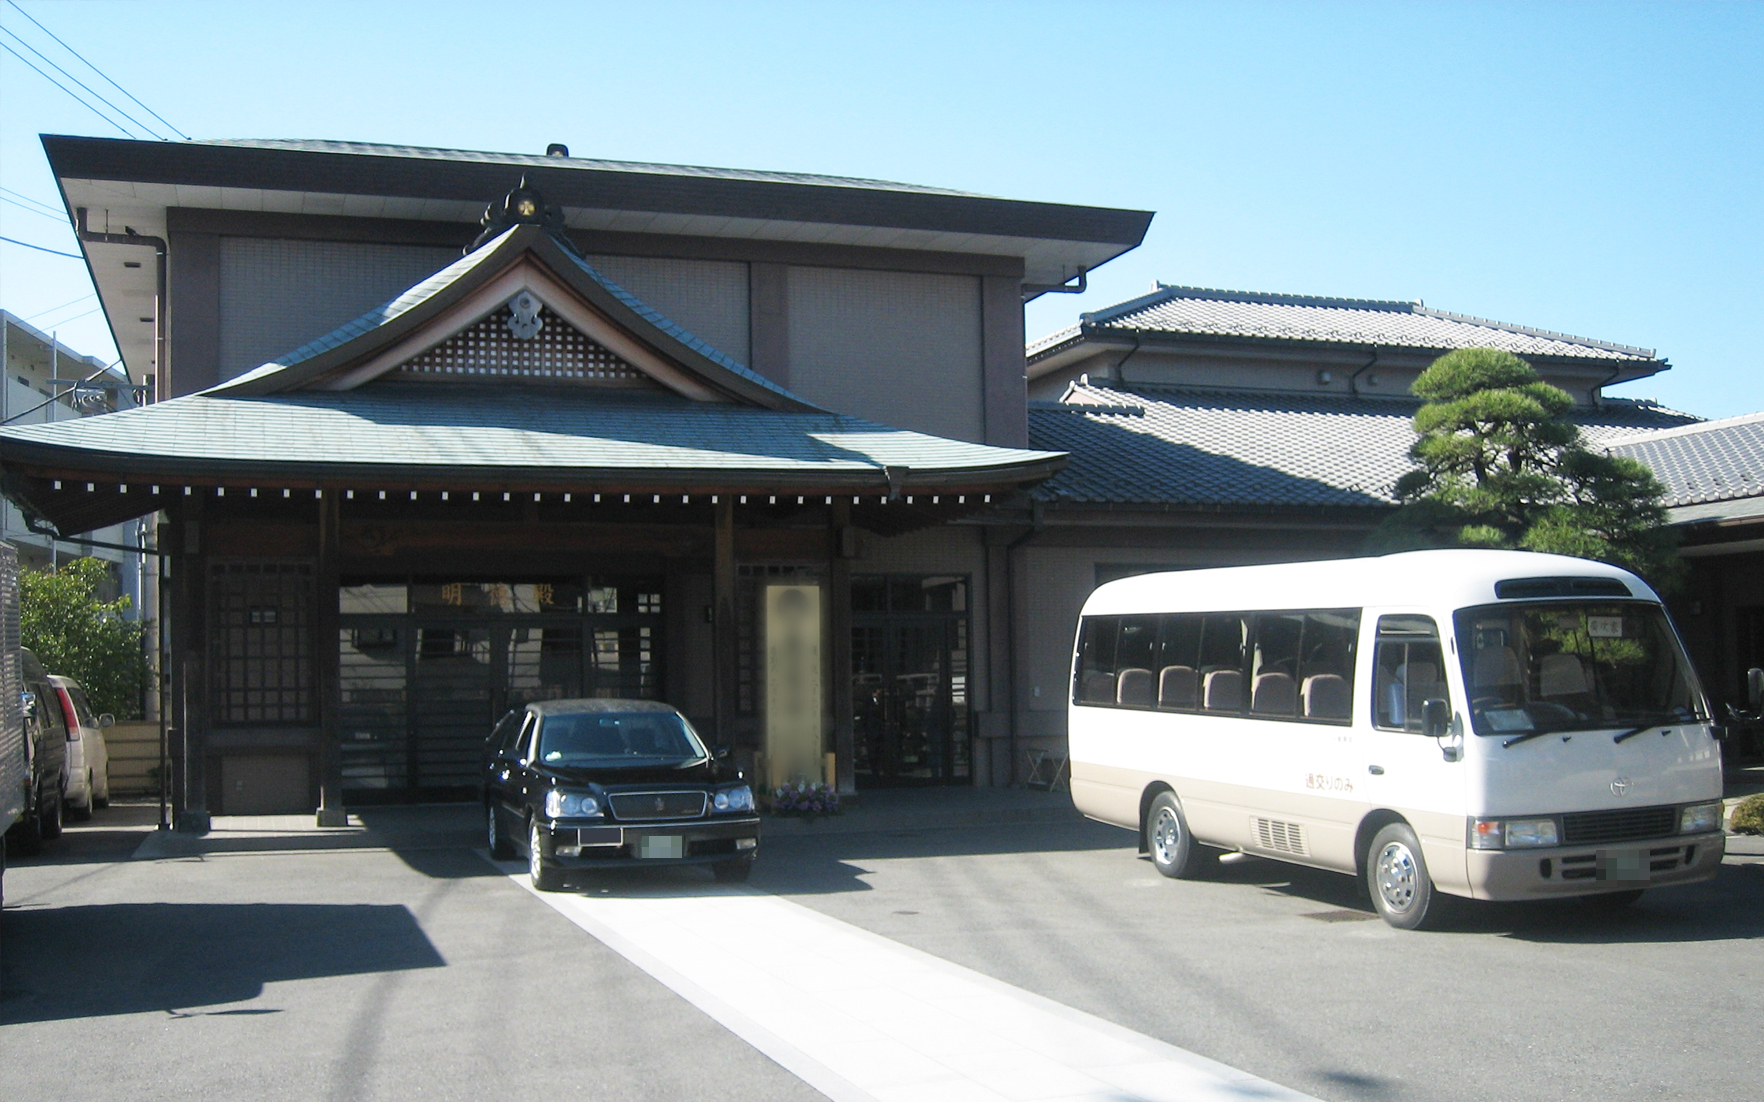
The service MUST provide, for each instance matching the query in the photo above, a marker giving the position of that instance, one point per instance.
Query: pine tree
(1499, 465)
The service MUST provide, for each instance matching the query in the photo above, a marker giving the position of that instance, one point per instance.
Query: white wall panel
(902, 348)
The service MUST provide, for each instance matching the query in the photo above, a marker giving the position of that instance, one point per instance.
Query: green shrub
(1748, 817)
(76, 634)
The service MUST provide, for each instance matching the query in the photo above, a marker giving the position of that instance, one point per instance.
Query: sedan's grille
(1589, 827)
(657, 805)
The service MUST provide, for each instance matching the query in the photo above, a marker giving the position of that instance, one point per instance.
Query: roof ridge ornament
(523, 206)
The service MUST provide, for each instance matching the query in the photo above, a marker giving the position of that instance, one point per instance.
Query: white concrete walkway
(862, 1018)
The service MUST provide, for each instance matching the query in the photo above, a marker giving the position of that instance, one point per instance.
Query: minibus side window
(1274, 664)
(1410, 670)
(1223, 639)
(1095, 679)
(1135, 661)
(1326, 665)
(1179, 662)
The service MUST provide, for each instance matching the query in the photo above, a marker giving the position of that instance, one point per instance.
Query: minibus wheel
(1173, 849)
(1396, 877)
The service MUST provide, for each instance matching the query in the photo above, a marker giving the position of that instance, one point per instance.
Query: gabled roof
(1222, 449)
(528, 258)
(1715, 461)
(1188, 313)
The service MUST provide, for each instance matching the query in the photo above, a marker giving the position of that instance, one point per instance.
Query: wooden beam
(838, 648)
(723, 624)
(326, 657)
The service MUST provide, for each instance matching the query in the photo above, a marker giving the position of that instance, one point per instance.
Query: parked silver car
(88, 756)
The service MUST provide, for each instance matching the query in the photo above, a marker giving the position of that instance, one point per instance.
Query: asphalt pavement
(271, 960)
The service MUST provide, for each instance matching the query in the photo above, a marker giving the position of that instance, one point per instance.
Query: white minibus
(1485, 724)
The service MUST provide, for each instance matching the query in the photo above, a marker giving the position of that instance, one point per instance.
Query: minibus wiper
(1634, 731)
(1529, 735)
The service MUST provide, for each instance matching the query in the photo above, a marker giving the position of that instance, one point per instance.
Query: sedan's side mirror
(106, 720)
(1755, 687)
(1436, 718)
(721, 753)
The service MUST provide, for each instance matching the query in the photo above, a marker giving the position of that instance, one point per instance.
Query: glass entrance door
(909, 672)
(421, 688)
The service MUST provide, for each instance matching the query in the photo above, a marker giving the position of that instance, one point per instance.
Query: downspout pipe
(1598, 392)
(1354, 379)
(157, 244)
(1036, 526)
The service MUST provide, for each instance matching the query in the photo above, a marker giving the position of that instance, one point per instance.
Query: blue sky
(1588, 168)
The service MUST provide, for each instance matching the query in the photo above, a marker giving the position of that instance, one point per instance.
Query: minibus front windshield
(1541, 667)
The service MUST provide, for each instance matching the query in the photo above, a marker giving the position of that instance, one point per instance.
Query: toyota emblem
(659, 804)
(1620, 786)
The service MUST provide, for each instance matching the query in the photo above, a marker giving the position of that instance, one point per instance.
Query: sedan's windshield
(1574, 666)
(617, 738)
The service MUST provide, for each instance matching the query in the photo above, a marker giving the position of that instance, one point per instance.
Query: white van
(1486, 724)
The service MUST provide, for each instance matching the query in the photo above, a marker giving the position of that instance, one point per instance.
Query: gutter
(159, 250)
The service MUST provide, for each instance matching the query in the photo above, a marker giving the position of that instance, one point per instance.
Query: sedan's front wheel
(500, 847)
(546, 877)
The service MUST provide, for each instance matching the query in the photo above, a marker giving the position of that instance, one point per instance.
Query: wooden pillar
(326, 658)
(838, 649)
(192, 650)
(723, 626)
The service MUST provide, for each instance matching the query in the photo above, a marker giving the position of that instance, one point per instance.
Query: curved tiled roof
(1712, 461)
(400, 429)
(1246, 314)
(1223, 448)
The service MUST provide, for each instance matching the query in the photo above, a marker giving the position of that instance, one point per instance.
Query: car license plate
(661, 846)
(600, 836)
(1622, 864)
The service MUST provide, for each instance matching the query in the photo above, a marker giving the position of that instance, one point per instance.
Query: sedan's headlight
(1699, 819)
(1511, 833)
(567, 805)
(739, 798)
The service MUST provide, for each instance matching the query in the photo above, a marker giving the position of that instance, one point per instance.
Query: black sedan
(586, 784)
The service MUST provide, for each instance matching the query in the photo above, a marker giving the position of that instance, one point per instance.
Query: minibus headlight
(1699, 819)
(1530, 832)
(1511, 833)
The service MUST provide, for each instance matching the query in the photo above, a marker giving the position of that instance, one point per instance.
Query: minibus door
(1412, 757)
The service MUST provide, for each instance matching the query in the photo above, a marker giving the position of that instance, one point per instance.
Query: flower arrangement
(806, 800)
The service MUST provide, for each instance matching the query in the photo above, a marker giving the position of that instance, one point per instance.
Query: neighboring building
(575, 461)
(1714, 478)
(45, 382)
(1219, 428)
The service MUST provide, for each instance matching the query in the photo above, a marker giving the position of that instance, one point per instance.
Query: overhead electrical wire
(95, 69)
(62, 218)
(138, 124)
(36, 203)
(65, 88)
(41, 249)
(63, 306)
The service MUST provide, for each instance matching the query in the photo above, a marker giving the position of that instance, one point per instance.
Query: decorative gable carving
(523, 340)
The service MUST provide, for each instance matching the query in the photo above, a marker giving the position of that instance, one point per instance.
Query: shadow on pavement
(1727, 908)
(83, 962)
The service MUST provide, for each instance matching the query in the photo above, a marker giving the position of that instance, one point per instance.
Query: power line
(41, 249)
(34, 202)
(83, 84)
(64, 88)
(77, 317)
(97, 70)
(63, 306)
(62, 218)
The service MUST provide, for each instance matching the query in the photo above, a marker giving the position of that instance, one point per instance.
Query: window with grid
(259, 649)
